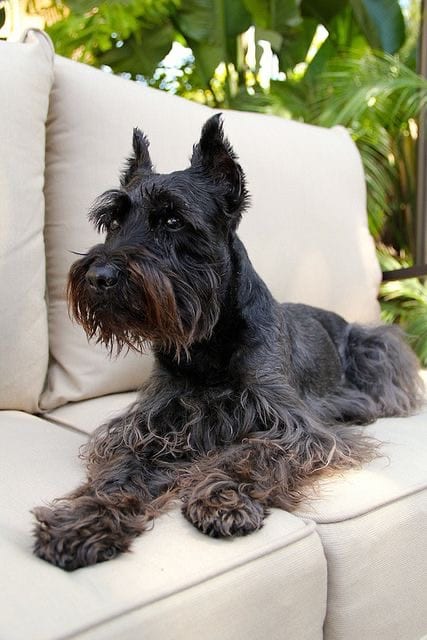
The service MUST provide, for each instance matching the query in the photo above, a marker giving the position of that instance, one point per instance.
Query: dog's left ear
(215, 156)
(140, 162)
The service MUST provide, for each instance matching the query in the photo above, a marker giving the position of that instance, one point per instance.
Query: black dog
(249, 400)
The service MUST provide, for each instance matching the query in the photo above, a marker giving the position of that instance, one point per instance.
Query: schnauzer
(249, 400)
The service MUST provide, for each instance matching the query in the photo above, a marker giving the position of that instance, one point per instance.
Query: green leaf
(87, 35)
(206, 59)
(259, 102)
(141, 53)
(292, 99)
(276, 15)
(212, 20)
(260, 10)
(195, 20)
(210, 28)
(416, 329)
(236, 16)
(381, 22)
(296, 42)
(322, 10)
(320, 60)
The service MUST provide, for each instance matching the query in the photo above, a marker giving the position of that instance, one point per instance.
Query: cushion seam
(63, 425)
(412, 491)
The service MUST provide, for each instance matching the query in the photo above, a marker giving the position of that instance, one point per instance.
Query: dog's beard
(149, 305)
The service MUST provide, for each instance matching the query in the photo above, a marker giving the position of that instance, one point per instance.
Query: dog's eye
(114, 225)
(174, 222)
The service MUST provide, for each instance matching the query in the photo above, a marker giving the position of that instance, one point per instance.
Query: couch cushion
(26, 70)
(87, 415)
(307, 229)
(176, 584)
(372, 523)
(373, 526)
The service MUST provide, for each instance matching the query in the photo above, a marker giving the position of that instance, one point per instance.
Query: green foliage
(134, 35)
(210, 28)
(405, 302)
(213, 30)
(380, 107)
(381, 22)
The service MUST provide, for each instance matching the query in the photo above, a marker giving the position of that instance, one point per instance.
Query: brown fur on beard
(144, 310)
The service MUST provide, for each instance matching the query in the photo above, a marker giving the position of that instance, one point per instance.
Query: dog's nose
(102, 276)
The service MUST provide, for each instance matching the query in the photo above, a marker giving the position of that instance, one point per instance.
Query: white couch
(351, 564)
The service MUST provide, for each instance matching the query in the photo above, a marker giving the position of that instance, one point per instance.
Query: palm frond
(379, 83)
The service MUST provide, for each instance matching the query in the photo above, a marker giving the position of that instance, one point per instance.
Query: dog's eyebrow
(113, 202)
(157, 194)
(159, 198)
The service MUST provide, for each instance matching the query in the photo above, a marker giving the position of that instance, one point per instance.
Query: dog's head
(164, 267)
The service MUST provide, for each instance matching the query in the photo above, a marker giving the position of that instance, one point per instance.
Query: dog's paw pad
(224, 519)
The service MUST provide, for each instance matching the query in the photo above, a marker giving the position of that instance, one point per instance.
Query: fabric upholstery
(87, 415)
(377, 568)
(372, 522)
(309, 241)
(175, 582)
(26, 77)
(373, 526)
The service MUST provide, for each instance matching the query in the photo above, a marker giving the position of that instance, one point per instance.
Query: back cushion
(306, 230)
(26, 72)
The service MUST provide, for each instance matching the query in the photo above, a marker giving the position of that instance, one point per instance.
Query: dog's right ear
(139, 164)
(215, 156)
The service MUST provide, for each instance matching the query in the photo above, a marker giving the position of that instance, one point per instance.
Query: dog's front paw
(224, 512)
(70, 543)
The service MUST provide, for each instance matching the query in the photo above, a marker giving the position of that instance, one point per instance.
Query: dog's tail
(378, 362)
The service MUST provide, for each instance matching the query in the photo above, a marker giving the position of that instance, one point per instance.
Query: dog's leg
(229, 493)
(101, 518)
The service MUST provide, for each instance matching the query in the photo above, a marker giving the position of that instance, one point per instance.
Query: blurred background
(358, 63)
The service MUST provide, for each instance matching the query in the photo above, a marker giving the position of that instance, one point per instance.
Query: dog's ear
(139, 162)
(215, 156)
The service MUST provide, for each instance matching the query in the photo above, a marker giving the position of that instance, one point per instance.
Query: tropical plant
(137, 32)
(380, 107)
(133, 36)
(405, 302)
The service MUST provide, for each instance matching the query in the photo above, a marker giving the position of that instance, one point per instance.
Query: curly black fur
(249, 400)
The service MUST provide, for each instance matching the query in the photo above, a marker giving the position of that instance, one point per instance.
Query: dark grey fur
(249, 400)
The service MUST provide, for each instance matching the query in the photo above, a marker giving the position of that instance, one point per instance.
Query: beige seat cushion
(87, 415)
(306, 232)
(175, 585)
(26, 71)
(372, 523)
(373, 526)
